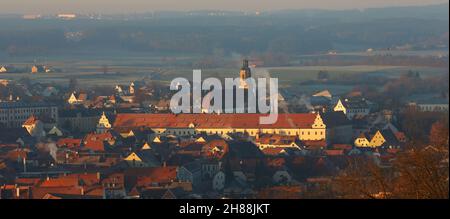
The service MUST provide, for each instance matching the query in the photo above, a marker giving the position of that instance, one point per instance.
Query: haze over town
(85, 112)
(139, 6)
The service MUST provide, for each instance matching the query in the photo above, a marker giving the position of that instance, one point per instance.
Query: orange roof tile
(60, 182)
(31, 120)
(304, 120)
(69, 142)
(155, 175)
(272, 151)
(334, 152)
(41, 192)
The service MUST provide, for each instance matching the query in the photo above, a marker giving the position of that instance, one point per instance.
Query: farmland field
(90, 73)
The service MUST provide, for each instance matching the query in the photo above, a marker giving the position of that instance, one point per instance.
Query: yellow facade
(377, 140)
(340, 107)
(72, 99)
(361, 142)
(316, 132)
(133, 157)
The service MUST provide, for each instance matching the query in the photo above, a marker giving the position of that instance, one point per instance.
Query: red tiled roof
(304, 120)
(272, 151)
(276, 139)
(27, 181)
(31, 120)
(16, 154)
(314, 144)
(98, 137)
(95, 145)
(75, 179)
(147, 176)
(41, 192)
(95, 141)
(68, 142)
(334, 152)
(60, 182)
(88, 178)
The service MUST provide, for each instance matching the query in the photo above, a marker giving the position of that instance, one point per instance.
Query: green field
(123, 69)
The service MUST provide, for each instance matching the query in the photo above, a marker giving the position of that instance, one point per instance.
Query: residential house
(144, 158)
(34, 127)
(103, 124)
(77, 98)
(352, 107)
(190, 172)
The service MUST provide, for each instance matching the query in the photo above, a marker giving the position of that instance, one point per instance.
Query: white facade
(14, 114)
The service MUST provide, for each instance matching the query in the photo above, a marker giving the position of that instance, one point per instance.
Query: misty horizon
(140, 6)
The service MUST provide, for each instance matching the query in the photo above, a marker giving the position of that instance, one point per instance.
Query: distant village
(64, 141)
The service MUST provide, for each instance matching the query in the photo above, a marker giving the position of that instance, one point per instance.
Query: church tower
(244, 74)
(103, 124)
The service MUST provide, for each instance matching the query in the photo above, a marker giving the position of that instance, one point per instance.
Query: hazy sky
(126, 6)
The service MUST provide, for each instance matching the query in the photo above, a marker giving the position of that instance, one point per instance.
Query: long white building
(14, 114)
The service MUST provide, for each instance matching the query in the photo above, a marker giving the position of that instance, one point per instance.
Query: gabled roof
(355, 103)
(147, 156)
(60, 182)
(275, 139)
(69, 142)
(31, 120)
(97, 142)
(95, 145)
(313, 144)
(334, 152)
(324, 93)
(273, 151)
(152, 175)
(41, 192)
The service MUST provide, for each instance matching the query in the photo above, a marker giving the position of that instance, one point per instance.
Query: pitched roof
(304, 120)
(324, 93)
(355, 103)
(60, 182)
(273, 151)
(95, 145)
(31, 120)
(41, 192)
(96, 142)
(312, 144)
(275, 139)
(68, 142)
(334, 152)
(149, 176)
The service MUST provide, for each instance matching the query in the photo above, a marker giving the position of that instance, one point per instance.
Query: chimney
(17, 191)
(24, 165)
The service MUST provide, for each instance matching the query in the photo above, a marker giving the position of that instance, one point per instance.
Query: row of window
(251, 133)
(358, 111)
(29, 110)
